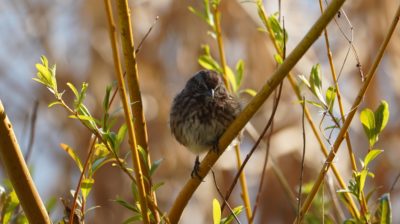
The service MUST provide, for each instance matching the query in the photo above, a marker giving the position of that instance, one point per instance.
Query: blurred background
(73, 34)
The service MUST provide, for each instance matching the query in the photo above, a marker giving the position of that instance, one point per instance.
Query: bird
(201, 113)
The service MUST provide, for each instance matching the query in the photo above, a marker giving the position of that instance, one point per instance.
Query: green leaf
(367, 119)
(120, 135)
(381, 116)
(11, 204)
(316, 83)
(127, 205)
(73, 88)
(231, 78)
(73, 155)
(46, 75)
(155, 166)
(278, 59)
(229, 219)
(106, 100)
(251, 92)
(51, 204)
(280, 35)
(133, 219)
(54, 103)
(330, 97)
(87, 184)
(216, 211)
(156, 186)
(363, 177)
(239, 73)
(372, 154)
(319, 105)
(305, 81)
(384, 211)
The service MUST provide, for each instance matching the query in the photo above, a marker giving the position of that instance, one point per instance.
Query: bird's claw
(196, 169)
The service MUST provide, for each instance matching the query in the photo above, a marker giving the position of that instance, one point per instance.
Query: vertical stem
(217, 16)
(339, 96)
(243, 182)
(128, 49)
(128, 117)
(17, 171)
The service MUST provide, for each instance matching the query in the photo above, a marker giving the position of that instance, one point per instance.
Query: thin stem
(32, 131)
(78, 187)
(263, 173)
(217, 16)
(222, 197)
(243, 184)
(252, 107)
(253, 149)
(302, 161)
(127, 111)
(349, 118)
(338, 94)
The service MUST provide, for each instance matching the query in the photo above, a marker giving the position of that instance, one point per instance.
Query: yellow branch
(128, 116)
(128, 49)
(18, 172)
(257, 101)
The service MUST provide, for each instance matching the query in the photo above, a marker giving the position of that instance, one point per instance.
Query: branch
(18, 172)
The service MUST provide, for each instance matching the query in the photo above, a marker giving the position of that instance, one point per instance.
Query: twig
(263, 173)
(394, 183)
(78, 187)
(271, 118)
(146, 35)
(222, 197)
(302, 161)
(32, 131)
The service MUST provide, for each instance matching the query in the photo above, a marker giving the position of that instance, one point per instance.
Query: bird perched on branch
(201, 113)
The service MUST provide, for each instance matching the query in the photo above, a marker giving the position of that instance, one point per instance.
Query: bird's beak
(212, 93)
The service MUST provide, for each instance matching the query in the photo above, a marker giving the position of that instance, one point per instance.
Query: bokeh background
(73, 34)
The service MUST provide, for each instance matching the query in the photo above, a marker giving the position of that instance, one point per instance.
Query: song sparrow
(201, 112)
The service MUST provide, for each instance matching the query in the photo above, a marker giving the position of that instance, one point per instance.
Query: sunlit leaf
(363, 177)
(127, 205)
(86, 187)
(156, 186)
(73, 155)
(330, 97)
(372, 154)
(381, 116)
(367, 119)
(305, 81)
(237, 210)
(278, 59)
(239, 73)
(250, 92)
(231, 78)
(216, 211)
(54, 103)
(155, 166)
(73, 88)
(316, 83)
(384, 211)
